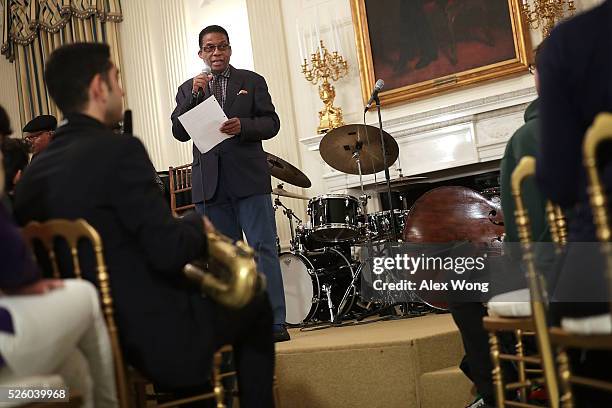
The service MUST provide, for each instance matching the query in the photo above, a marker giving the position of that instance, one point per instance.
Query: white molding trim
(467, 133)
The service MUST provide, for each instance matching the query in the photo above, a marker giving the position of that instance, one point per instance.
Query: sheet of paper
(202, 123)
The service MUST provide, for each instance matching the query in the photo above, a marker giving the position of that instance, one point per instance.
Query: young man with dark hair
(231, 182)
(168, 330)
(49, 326)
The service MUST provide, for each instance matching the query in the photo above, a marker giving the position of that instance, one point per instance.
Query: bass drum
(308, 278)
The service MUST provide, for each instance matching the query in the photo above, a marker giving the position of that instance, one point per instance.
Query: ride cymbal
(341, 146)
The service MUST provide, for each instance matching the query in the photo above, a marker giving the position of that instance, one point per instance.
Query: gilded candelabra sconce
(544, 14)
(323, 67)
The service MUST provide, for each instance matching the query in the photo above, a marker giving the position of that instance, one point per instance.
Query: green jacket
(524, 142)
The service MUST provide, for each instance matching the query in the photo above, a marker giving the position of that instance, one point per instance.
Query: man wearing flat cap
(39, 132)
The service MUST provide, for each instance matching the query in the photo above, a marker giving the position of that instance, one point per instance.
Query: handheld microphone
(127, 122)
(380, 84)
(205, 70)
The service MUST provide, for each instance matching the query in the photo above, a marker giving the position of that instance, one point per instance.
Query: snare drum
(334, 217)
(307, 280)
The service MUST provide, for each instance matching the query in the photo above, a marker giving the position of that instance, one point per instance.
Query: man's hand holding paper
(231, 127)
(204, 123)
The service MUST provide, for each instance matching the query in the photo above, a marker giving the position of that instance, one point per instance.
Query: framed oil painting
(423, 47)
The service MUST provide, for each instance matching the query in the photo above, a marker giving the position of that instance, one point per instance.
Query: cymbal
(282, 192)
(287, 172)
(338, 149)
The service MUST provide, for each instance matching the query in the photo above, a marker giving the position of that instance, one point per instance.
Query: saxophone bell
(230, 276)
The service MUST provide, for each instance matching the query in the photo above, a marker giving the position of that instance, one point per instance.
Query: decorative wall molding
(470, 132)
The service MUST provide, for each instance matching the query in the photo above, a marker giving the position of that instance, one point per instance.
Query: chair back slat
(180, 183)
(599, 133)
(561, 224)
(552, 223)
(72, 232)
(523, 171)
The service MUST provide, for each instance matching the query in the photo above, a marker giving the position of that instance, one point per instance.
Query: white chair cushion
(35, 381)
(601, 324)
(511, 304)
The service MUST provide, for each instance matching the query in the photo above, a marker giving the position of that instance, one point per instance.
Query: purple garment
(17, 266)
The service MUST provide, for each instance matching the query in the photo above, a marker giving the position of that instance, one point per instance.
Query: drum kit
(321, 271)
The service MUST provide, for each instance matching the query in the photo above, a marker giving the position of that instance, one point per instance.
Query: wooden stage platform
(407, 363)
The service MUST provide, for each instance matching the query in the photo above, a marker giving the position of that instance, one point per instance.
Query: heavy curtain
(32, 29)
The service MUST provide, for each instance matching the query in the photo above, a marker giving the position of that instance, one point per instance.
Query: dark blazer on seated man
(168, 329)
(243, 160)
(576, 84)
(89, 172)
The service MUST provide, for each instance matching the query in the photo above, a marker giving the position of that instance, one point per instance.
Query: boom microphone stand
(386, 166)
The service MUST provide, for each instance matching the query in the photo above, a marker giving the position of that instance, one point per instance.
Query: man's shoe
(280, 333)
(479, 402)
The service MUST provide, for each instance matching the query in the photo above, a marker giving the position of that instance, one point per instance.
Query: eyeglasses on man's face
(33, 136)
(211, 48)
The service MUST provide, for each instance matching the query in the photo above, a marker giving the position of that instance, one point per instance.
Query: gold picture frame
(498, 48)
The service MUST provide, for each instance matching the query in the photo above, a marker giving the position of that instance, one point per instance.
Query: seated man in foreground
(168, 330)
(49, 327)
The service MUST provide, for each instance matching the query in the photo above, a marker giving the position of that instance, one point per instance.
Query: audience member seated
(39, 132)
(5, 125)
(16, 158)
(576, 85)
(468, 316)
(50, 326)
(168, 329)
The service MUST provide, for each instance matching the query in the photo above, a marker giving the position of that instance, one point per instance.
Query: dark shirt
(221, 81)
(524, 142)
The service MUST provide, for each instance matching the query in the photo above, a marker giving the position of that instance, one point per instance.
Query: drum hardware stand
(288, 212)
(355, 274)
(356, 156)
(386, 166)
(330, 306)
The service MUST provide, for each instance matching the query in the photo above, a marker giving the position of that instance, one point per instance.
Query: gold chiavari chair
(180, 189)
(579, 336)
(72, 232)
(532, 319)
(131, 385)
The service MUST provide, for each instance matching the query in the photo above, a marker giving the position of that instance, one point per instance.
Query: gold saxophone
(231, 276)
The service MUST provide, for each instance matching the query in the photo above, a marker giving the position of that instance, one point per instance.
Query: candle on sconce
(319, 48)
(332, 32)
(313, 48)
(337, 38)
(300, 42)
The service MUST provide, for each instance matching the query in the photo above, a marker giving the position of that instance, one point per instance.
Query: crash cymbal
(287, 172)
(282, 192)
(338, 149)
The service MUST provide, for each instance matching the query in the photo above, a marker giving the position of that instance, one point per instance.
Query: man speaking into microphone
(231, 182)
